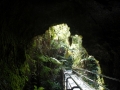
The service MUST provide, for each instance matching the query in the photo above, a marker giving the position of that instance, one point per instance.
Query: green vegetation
(91, 64)
(47, 49)
(11, 59)
(39, 66)
(40, 88)
(12, 79)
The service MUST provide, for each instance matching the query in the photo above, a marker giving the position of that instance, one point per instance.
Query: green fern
(36, 88)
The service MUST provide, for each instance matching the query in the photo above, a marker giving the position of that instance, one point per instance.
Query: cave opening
(20, 21)
(58, 49)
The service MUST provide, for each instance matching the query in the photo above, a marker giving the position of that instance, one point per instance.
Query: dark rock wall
(97, 21)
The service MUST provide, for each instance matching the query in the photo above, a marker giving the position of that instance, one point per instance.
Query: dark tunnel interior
(97, 21)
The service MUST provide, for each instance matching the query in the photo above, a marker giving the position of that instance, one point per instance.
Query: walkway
(73, 82)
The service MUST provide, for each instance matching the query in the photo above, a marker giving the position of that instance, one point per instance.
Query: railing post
(63, 79)
(67, 83)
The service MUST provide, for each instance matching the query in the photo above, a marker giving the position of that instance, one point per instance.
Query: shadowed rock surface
(97, 21)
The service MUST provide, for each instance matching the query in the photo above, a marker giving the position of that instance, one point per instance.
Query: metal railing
(77, 85)
(98, 74)
(101, 75)
(91, 80)
(68, 85)
(82, 75)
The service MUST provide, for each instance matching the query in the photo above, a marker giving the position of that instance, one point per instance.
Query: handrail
(74, 81)
(96, 83)
(91, 80)
(99, 74)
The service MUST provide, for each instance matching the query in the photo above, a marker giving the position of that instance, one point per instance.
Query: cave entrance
(58, 42)
(55, 49)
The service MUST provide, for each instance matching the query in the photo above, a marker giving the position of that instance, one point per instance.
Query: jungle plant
(38, 88)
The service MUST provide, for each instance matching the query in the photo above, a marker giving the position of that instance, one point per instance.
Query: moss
(92, 64)
(17, 82)
(12, 57)
(12, 79)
